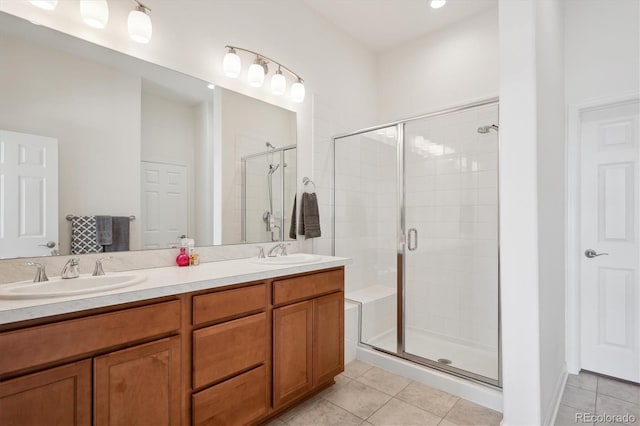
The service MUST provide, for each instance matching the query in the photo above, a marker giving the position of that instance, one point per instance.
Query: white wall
(602, 48)
(551, 201)
(77, 102)
(446, 68)
(519, 214)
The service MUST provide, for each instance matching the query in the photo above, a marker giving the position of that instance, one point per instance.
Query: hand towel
(84, 235)
(104, 230)
(309, 225)
(292, 228)
(120, 240)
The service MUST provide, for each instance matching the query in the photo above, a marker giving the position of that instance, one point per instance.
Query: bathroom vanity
(180, 348)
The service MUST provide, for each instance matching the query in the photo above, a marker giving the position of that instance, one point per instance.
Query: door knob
(591, 253)
(49, 244)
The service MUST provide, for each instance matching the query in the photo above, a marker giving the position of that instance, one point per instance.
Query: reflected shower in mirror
(91, 133)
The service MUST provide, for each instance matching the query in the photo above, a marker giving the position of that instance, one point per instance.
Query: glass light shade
(278, 84)
(140, 28)
(44, 4)
(297, 92)
(95, 13)
(437, 4)
(256, 75)
(231, 65)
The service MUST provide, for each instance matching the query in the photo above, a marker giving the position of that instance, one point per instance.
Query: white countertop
(161, 282)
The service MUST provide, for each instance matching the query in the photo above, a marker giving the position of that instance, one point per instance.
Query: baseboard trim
(550, 419)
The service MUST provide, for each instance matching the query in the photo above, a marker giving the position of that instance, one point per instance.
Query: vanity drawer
(58, 341)
(229, 303)
(237, 401)
(222, 350)
(307, 286)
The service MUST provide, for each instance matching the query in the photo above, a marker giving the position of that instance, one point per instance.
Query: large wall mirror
(100, 151)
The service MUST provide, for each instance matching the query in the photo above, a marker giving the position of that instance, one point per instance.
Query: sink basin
(292, 259)
(57, 287)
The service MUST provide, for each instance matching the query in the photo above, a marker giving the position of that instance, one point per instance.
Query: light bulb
(44, 4)
(139, 24)
(297, 91)
(256, 74)
(231, 64)
(278, 83)
(437, 4)
(95, 13)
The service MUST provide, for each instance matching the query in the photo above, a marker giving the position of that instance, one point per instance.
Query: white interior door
(610, 293)
(164, 204)
(28, 195)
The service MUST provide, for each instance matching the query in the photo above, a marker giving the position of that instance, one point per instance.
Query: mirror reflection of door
(28, 195)
(164, 186)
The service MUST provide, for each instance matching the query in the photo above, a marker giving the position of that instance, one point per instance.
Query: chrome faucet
(70, 269)
(41, 274)
(281, 246)
(97, 270)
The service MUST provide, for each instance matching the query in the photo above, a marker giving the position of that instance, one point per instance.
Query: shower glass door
(450, 315)
(366, 177)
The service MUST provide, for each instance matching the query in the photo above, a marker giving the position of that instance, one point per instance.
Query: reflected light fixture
(95, 13)
(437, 4)
(139, 23)
(232, 66)
(44, 4)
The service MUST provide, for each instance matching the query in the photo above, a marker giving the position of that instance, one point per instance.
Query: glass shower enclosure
(416, 208)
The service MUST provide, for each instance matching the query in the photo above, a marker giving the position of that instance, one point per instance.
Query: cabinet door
(58, 396)
(237, 401)
(139, 386)
(292, 351)
(328, 337)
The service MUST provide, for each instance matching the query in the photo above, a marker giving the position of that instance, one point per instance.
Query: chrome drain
(444, 361)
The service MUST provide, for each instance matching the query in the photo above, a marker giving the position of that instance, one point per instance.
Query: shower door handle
(410, 246)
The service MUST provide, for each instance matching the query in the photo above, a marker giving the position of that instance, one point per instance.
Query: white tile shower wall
(451, 195)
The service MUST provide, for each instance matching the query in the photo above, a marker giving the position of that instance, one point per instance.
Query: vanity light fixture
(95, 13)
(278, 83)
(44, 4)
(437, 4)
(139, 23)
(256, 73)
(232, 66)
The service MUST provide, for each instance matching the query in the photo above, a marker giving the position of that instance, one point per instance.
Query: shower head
(486, 129)
(270, 145)
(272, 168)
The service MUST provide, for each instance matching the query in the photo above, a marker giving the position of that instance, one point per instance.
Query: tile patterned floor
(590, 393)
(367, 395)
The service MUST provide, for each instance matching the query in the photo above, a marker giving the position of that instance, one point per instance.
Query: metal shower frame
(401, 246)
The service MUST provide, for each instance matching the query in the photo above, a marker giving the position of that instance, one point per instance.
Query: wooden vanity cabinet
(59, 396)
(308, 336)
(229, 356)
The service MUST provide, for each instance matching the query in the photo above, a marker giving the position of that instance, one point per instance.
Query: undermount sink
(57, 287)
(292, 259)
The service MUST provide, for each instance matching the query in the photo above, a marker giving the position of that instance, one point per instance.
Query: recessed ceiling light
(437, 4)
(211, 86)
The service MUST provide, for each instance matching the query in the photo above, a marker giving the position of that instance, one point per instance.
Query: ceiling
(383, 24)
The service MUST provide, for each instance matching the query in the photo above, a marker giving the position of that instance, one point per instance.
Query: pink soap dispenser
(183, 258)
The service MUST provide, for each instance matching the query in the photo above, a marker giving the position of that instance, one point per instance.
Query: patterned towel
(84, 235)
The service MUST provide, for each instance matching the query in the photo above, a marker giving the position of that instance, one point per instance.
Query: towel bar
(306, 181)
(70, 216)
